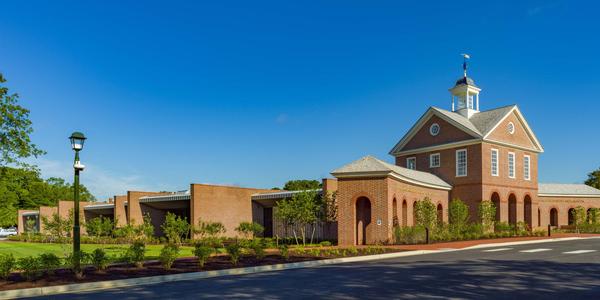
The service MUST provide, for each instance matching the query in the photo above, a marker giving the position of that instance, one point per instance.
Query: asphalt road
(559, 270)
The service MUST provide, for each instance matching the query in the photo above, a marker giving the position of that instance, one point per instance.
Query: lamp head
(77, 140)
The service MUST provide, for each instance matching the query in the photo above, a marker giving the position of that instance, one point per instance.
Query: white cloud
(100, 182)
(281, 118)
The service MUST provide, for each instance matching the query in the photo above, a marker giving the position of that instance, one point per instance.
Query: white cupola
(465, 94)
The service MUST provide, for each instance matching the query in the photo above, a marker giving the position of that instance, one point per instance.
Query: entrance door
(268, 222)
(363, 219)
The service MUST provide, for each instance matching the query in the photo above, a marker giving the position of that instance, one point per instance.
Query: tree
(458, 213)
(250, 229)
(175, 228)
(426, 213)
(15, 128)
(299, 211)
(487, 215)
(302, 185)
(100, 226)
(594, 179)
(209, 230)
(58, 227)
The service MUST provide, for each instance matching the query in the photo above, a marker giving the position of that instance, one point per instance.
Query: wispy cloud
(281, 118)
(100, 182)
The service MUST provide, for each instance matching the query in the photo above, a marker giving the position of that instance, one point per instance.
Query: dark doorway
(528, 212)
(554, 217)
(404, 213)
(512, 209)
(268, 222)
(496, 201)
(571, 216)
(363, 219)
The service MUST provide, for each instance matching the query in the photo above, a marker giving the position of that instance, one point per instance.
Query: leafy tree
(302, 209)
(250, 229)
(58, 227)
(100, 226)
(426, 213)
(579, 215)
(302, 185)
(15, 128)
(210, 230)
(594, 179)
(458, 213)
(487, 215)
(175, 228)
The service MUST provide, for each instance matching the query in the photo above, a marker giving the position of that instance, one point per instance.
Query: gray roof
(175, 196)
(567, 189)
(480, 123)
(281, 195)
(372, 165)
(466, 80)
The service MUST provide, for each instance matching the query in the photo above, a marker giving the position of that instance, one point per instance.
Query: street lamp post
(77, 140)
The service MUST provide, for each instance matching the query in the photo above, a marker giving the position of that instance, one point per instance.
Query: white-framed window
(411, 163)
(495, 161)
(461, 163)
(527, 167)
(511, 165)
(434, 160)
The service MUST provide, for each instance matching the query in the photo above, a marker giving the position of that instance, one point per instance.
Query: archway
(539, 218)
(414, 213)
(554, 217)
(571, 216)
(512, 209)
(440, 214)
(395, 221)
(528, 212)
(363, 219)
(496, 201)
(404, 213)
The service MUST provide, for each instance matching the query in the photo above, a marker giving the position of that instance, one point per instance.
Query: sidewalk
(467, 244)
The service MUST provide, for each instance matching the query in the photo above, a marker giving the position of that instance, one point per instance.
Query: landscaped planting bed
(184, 265)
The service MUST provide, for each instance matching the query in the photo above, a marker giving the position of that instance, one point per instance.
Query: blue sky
(257, 93)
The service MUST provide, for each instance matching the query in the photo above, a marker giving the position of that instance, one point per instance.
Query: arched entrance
(395, 221)
(414, 213)
(527, 211)
(363, 219)
(554, 217)
(512, 209)
(404, 213)
(496, 201)
(539, 218)
(571, 216)
(440, 214)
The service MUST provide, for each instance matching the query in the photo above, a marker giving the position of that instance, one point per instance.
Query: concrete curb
(103, 285)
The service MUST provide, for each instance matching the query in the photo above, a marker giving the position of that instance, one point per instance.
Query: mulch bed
(183, 265)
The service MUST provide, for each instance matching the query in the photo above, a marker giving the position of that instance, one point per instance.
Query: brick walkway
(466, 244)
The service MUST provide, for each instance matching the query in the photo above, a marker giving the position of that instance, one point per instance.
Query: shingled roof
(565, 190)
(480, 125)
(370, 166)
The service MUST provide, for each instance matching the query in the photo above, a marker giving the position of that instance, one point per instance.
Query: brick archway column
(520, 209)
(504, 209)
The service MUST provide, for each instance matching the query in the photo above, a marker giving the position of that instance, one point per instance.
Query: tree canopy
(594, 179)
(25, 189)
(15, 128)
(300, 185)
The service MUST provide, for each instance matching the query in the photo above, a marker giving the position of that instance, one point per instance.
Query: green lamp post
(77, 140)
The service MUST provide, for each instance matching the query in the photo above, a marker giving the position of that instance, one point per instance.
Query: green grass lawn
(22, 249)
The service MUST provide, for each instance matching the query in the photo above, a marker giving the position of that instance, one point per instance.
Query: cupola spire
(465, 94)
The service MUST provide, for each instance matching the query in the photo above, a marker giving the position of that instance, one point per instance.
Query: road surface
(558, 270)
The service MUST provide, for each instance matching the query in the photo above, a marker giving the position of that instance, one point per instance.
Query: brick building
(463, 153)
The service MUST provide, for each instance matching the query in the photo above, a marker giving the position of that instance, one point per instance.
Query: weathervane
(465, 58)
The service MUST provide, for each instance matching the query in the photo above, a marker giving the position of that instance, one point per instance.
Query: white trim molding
(431, 160)
(497, 164)
(466, 162)
(512, 165)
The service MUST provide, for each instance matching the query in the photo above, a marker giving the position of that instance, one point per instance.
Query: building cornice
(390, 174)
(439, 147)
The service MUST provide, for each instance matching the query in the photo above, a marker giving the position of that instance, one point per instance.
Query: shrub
(175, 228)
(353, 251)
(100, 226)
(209, 229)
(135, 254)
(31, 267)
(203, 251)
(7, 265)
(235, 251)
(409, 235)
(99, 259)
(284, 250)
(258, 245)
(503, 227)
(325, 244)
(168, 255)
(248, 229)
(84, 259)
(49, 262)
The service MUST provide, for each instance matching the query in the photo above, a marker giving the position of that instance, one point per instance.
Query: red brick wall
(563, 204)
(519, 138)
(448, 134)
(120, 211)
